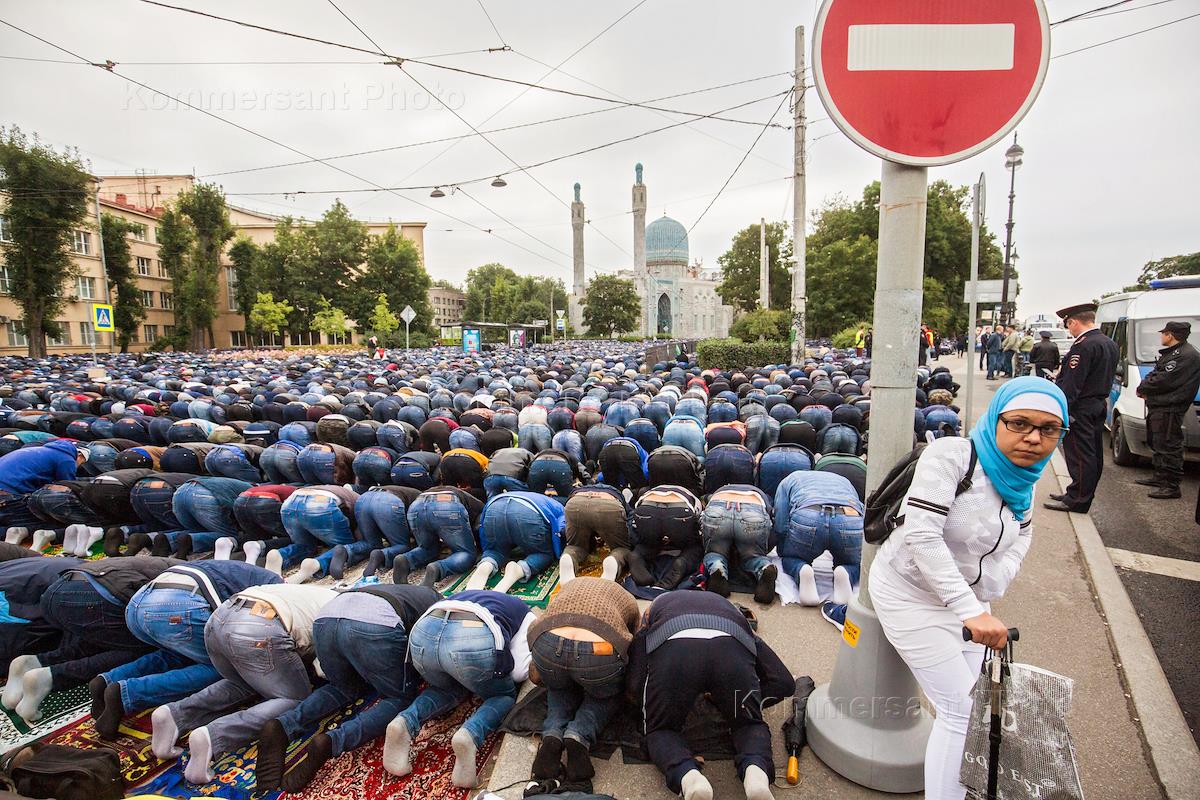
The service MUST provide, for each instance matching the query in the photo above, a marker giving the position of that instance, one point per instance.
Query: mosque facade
(678, 298)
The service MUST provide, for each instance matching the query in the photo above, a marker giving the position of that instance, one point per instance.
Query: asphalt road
(1169, 607)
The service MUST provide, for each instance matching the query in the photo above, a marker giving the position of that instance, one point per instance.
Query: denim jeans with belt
(205, 509)
(95, 637)
(551, 473)
(585, 681)
(686, 432)
(278, 463)
(59, 506)
(729, 526)
(814, 529)
(152, 499)
(457, 659)
(313, 520)
(15, 512)
(171, 619)
(373, 467)
(256, 657)
(382, 520)
(436, 519)
(231, 462)
(358, 659)
(259, 520)
(517, 525)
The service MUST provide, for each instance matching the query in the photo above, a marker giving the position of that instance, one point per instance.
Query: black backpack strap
(965, 483)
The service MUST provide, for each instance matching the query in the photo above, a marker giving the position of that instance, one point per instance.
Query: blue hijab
(1015, 484)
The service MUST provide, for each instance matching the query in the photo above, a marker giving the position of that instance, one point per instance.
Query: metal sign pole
(977, 204)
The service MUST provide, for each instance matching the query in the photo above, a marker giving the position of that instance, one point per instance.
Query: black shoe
(433, 574)
(579, 762)
(161, 546)
(1152, 481)
(400, 570)
(272, 747)
(96, 687)
(718, 583)
(337, 563)
(113, 539)
(109, 721)
(374, 563)
(1057, 497)
(547, 764)
(1165, 493)
(183, 546)
(764, 592)
(1057, 506)
(137, 543)
(314, 756)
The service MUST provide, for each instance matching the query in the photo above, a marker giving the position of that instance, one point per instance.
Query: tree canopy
(740, 267)
(128, 311)
(1171, 267)
(195, 270)
(269, 315)
(382, 321)
(497, 294)
(611, 305)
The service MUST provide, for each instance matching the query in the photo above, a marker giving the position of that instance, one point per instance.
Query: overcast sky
(1109, 182)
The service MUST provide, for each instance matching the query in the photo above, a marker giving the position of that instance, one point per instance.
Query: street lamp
(1012, 160)
(499, 183)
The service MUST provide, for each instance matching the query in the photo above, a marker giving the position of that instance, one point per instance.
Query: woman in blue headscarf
(957, 550)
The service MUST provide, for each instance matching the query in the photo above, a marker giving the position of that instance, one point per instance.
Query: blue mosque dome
(666, 242)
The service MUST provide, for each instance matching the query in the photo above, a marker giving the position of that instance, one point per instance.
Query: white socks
(35, 685)
(16, 535)
(464, 774)
(274, 562)
(308, 568)
(200, 753)
(611, 570)
(70, 538)
(513, 572)
(87, 536)
(164, 733)
(13, 689)
(757, 784)
(566, 570)
(695, 786)
(253, 550)
(806, 581)
(480, 576)
(223, 548)
(842, 588)
(42, 538)
(397, 743)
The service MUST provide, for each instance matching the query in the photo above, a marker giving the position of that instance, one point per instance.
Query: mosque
(678, 299)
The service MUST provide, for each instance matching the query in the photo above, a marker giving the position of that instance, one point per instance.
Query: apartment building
(447, 305)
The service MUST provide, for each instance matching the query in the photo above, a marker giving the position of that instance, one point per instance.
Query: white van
(1133, 320)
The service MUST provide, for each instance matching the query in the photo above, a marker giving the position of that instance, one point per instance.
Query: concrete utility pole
(764, 266)
(977, 203)
(799, 207)
(866, 723)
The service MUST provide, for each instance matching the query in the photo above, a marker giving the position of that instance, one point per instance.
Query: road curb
(1172, 749)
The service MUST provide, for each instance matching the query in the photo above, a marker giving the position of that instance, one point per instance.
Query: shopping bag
(1018, 746)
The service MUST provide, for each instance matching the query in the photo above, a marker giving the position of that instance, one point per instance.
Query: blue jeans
(584, 688)
(498, 484)
(278, 463)
(358, 658)
(686, 433)
(535, 437)
(457, 661)
(994, 364)
(172, 620)
(436, 519)
(259, 518)
(551, 473)
(207, 504)
(373, 467)
(317, 463)
(95, 637)
(512, 524)
(15, 513)
(312, 520)
(152, 500)
(814, 529)
(777, 464)
(381, 517)
(59, 506)
(230, 462)
(745, 528)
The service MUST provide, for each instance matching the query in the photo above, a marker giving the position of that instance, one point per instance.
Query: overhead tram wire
(1126, 36)
(507, 128)
(272, 63)
(491, 22)
(275, 142)
(1083, 14)
(490, 143)
(400, 61)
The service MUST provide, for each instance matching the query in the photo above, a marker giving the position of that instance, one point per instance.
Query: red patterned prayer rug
(138, 762)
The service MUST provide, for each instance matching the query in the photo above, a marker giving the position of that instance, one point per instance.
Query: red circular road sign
(929, 82)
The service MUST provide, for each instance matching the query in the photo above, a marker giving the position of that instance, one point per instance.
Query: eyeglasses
(1025, 427)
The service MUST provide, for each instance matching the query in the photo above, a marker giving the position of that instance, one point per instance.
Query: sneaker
(834, 614)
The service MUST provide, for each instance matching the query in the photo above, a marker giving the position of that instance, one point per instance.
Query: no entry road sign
(929, 82)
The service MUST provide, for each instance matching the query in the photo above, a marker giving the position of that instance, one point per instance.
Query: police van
(1133, 320)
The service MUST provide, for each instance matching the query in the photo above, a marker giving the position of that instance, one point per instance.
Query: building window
(63, 340)
(338, 338)
(237, 338)
(168, 331)
(151, 332)
(87, 333)
(147, 298)
(143, 265)
(162, 271)
(138, 232)
(5, 281)
(87, 288)
(16, 334)
(306, 338)
(166, 300)
(133, 335)
(5, 229)
(231, 283)
(81, 242)
(157, 235)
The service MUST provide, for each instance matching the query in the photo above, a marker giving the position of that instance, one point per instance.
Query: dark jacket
(994, 342)
(1045, 355)
(23, 581)
(124, 576)
(409, 602)
(221, 580)
(1174, 379)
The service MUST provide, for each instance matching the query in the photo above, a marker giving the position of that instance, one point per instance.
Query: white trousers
(948, 686)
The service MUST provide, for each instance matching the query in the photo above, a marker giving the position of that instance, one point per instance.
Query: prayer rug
(132, 744)
(59, 709)
(534, 592)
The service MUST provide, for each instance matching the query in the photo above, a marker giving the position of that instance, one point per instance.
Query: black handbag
(67, 773)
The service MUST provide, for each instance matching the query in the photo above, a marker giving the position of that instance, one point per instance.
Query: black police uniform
(1169, 390)
(1086, 378)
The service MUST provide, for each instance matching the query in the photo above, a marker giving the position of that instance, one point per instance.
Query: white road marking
(1158, 565)
(931, 48)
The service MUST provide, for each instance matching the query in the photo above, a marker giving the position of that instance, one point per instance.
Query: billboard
(470, 340)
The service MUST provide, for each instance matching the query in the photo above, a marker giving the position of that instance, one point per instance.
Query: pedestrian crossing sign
(102, 317)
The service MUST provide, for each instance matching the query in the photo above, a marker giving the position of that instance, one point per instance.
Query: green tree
(269, 315)
(740, 268)
(47, 200)
(490, 293)
(204, 206)
(128, 311)
(1188, 264)
(175, 239)
(245, 255)
(283, 268)
(338, 245)
(329, 320)
(761, 325)
(382, 321)
(611, 305)
(394, 269)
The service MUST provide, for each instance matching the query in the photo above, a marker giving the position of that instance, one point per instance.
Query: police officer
(1169, 390)
(1086, 377)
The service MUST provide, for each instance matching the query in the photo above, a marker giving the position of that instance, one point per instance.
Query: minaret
(641, 279)
(579, 286)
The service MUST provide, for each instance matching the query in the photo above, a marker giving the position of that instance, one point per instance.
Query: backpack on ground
(883, 506)
(66, 773)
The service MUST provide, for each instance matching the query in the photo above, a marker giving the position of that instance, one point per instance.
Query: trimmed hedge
(732, 354)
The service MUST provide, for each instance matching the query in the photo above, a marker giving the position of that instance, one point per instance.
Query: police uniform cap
(1070, 311)
(1180, 330)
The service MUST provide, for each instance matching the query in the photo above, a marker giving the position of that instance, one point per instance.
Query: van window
(1121, 337)
(1147, 340)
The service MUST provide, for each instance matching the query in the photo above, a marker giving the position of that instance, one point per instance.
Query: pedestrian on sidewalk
(956, 553)
(1044, 356)
(982, 335)
(991, 346)
(1169, 391)
(1085, 378)
(1010, 350)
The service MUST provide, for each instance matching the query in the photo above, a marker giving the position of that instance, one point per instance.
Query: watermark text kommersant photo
(855, 708)
(372, 96)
